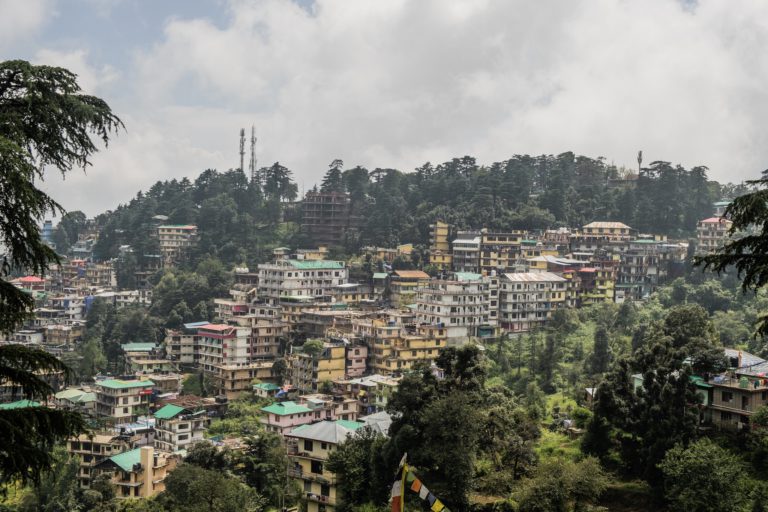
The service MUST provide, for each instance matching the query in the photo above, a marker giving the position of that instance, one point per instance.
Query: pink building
(282, 417)
(356, 361)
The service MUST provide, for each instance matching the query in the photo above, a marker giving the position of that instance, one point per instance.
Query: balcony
(298, 473)
(319, 498)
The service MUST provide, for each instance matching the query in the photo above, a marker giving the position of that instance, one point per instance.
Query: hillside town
(324, 343)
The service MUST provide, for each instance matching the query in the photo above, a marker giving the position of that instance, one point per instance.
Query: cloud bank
(402, 82)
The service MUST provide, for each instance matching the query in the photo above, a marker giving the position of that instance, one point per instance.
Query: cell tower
(253, 164)
(242, 149)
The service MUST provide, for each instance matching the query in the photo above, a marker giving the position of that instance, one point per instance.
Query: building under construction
(327, 217)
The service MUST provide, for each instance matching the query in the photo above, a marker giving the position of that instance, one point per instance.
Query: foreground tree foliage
(190, 488)
(662, 412)
(704, 478)
(747, 250)
(45, 121)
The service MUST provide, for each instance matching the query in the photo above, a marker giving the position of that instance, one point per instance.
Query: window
(727, 396)
(325, 490)
(324, 446)
(725, 416)
(317, 467)
(183, 437)
(307, 445)
(307, 486)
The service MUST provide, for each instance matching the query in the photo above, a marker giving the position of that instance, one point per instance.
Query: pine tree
(601, 356)
(45, 122)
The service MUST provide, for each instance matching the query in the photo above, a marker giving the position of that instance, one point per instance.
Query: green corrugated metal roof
(168, 411)
(127, 460)
(138, 347)
(85, 397)
(267, 386)
(21, 404)
(283, 408)
(125, 384)
(468, 276)
(380, 275)
(351, 425)
(69, 394)
(315, 264)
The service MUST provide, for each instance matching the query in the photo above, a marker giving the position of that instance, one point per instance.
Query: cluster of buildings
(327, 341)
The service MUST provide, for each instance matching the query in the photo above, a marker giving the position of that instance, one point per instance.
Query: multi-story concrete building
(185, 345)
(64, 335)
(178, 428)
(465, 307)
(712, 234)
(309, 447)
(403, 286)
(223, 344)
(282, 417)
(466, 252)
(528, 299)
(174, 240)
(300, 278)
(309, 371)
(440, 246)
(612, 231)
(326, 217)
(738, 393)
(93, 449)
(231, 380)
(139, 473)
(499, 251)
(122, 401)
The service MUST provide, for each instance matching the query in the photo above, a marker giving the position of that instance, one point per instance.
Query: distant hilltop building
(174, 239)
(326, 217)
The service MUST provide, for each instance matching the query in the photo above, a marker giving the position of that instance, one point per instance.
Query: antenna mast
(253, 164)
(242, 149)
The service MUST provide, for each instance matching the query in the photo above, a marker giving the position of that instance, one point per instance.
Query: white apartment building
(465, 307)
(223, 345)
(318, 279)
(122, 401)
(711, 234)
(178, 428)
(174, 239)
(528, 299)
(466, 252)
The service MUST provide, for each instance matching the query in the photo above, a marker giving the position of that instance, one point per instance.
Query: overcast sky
(396, 83)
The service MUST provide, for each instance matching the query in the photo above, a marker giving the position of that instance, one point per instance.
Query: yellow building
(395, 349)
(309, 371)
(612, 231)
(403, 285)
(499, 251)
(93, 449)
(235, 378)
(440, 246)
(309, 447)
(139, 473)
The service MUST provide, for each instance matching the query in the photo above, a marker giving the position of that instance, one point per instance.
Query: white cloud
(91, 78)
(22, 19)
(397, 83)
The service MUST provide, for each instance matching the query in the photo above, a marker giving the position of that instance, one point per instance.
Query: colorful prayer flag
(437, 506)
(397, 495)
(423, 492)
(410, 477)
(431, 498)
(416, 485)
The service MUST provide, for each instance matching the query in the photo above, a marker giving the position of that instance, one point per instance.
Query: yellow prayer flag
(437, 506)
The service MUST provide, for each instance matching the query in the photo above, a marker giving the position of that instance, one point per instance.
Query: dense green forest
(240, 222)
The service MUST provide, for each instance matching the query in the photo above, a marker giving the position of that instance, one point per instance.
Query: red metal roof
(31, 279)
(216, 327)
